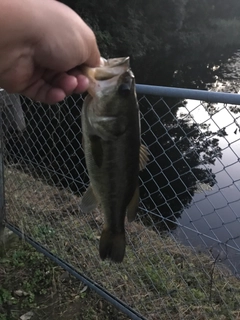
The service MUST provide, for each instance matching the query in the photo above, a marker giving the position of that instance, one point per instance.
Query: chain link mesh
(182, 258)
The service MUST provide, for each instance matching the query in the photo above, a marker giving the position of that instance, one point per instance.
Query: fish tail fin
(112, 245)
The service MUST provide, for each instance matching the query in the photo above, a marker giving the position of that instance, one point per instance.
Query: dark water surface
(212, 220)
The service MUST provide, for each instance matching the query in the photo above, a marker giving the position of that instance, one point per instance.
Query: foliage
(173, 31)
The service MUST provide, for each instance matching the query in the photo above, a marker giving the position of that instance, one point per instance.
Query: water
(213, 218)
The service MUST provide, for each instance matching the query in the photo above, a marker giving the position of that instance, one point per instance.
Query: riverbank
(159, 278)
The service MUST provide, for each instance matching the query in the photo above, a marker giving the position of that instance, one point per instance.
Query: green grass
(31, 282)
(159, 277)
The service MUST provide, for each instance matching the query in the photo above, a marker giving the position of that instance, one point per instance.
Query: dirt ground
(34, 288)
(159, 278)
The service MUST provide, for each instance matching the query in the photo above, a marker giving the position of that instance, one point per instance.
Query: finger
(56, 88)
(82, 84)
(88, 47)
(82, 81)
(65, 82)
(44, 92)
(94, 56)
(51, 88)
(54, 95)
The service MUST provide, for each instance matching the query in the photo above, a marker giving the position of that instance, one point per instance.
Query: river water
(212, 220)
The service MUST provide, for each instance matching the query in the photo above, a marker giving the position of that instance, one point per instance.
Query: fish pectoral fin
(97, 150)
(133, 206)
(143, 157)
(89, 201)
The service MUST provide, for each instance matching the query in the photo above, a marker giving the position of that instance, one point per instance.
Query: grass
(31, 283)
(159, 278)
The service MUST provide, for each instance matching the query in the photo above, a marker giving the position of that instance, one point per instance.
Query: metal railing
(182, 258)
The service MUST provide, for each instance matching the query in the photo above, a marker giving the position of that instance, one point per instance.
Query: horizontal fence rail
(203, 95)
(182, 258)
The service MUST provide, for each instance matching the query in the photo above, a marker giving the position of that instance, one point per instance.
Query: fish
(113, 151)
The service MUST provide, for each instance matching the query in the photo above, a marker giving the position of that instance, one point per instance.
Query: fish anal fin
(89, 201)
(112, 245)
(133, 206)
(143, 157)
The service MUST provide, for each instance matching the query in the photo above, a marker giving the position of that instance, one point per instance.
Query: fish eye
(124, 89)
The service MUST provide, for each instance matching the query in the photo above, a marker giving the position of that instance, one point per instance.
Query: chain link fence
(183, 251)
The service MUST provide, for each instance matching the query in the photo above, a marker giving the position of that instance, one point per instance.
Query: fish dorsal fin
(143, 157)
(89, 201)
(133, 206)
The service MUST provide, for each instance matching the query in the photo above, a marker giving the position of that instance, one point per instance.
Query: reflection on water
(213, 217)
(180, 151)
(192, 182)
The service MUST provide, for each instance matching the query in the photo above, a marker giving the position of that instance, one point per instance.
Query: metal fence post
(2, 200)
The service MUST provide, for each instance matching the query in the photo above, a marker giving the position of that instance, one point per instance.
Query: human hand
(42, 50)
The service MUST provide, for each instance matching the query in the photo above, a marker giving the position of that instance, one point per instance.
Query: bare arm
(41, 44)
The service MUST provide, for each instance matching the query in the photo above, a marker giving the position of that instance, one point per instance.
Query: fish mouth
(114, 62)
(110, 68)
(107, 75)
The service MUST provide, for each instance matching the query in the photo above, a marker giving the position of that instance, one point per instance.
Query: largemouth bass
(111, 136)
